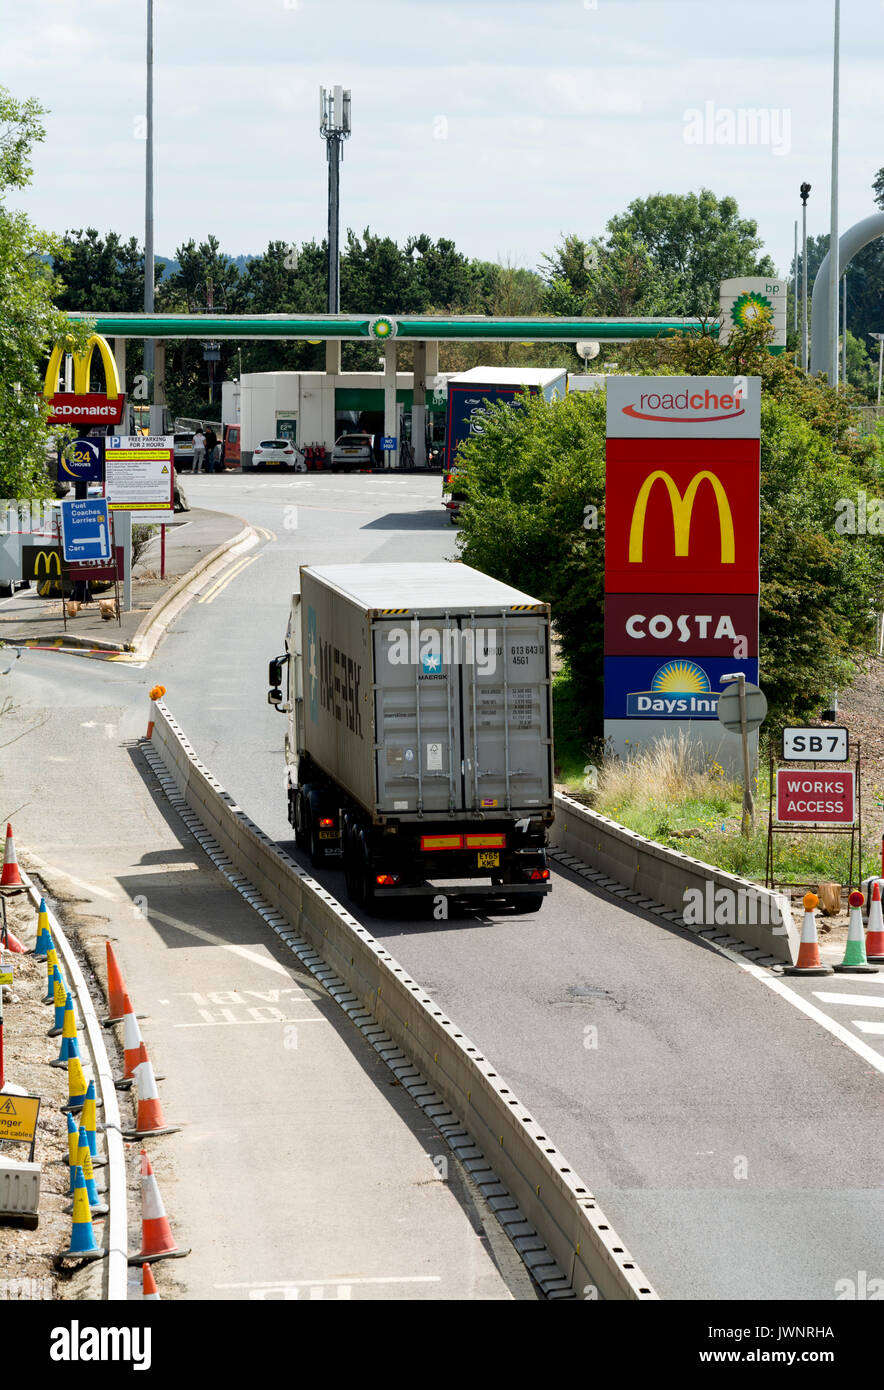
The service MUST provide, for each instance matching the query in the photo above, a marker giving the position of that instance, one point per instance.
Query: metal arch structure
(359, 327)
(853, 241)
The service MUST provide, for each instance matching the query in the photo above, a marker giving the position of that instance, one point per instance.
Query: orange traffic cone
(116, 990)
(148, 1284)
(808, 962)
(157, 1241)
(150, 1118)
(134, 1050)
(10, 942)
(875, 925)
(10, 877)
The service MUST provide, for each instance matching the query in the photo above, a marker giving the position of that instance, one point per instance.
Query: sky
(500, 124)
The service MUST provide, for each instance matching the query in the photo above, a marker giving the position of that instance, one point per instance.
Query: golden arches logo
(46, 561)
(682, 507)
(83, 368)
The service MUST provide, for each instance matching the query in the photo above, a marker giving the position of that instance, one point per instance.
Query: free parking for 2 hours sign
(139, 474)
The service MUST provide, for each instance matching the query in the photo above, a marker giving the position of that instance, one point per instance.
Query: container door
(417, 718)
(506, 723)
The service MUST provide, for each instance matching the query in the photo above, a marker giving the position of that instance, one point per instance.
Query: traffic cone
(148, 1284)
(157, 1241)
(116, 990)
(61, 995)
(88, 1123)
(808, 962)
(51, 967)
(10, 942)
(10, 877)
(70, 1046)
(875, 933)
(150, 1118)
(73, 1144)
(84, 1163)
(83, 1245)
(132, 1043)
(76, 1086)
(44, 936)
(854, 962)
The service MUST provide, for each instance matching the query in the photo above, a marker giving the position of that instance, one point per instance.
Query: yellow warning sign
(6, 977)
(18, 1118)
(164, 470)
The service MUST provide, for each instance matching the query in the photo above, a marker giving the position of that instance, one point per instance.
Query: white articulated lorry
(419, 738)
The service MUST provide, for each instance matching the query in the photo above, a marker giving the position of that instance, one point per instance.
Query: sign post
(139, 477)
(749, 715)
(682, 519)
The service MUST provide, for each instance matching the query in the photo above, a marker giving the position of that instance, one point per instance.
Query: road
(707, 1114)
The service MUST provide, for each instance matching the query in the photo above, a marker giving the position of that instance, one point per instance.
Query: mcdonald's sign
(81, 404)
(681, 517)
(41, 562)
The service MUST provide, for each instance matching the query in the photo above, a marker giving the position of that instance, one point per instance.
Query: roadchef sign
(815, 797)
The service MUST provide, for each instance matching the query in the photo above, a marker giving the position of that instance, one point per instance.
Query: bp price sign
(139, 473)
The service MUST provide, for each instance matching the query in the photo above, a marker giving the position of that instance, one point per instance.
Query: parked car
(278, 453)
(231, 444)
(351, 451)
(184, 450)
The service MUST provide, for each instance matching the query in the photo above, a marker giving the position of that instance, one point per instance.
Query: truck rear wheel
(526, 902)
(301, 839)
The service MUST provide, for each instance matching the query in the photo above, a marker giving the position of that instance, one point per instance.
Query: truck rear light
(326, 822)
(386, 880)
(485, 842)
(441, 841)
(537, 875)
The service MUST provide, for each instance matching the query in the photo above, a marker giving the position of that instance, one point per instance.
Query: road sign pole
(125, 521)
(748, 802)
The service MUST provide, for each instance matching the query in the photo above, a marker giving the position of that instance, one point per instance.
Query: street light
(880, 340)
(334, 126)
(805, 191)
(833, 228)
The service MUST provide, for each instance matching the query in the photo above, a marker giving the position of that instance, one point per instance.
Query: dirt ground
(29, 1266)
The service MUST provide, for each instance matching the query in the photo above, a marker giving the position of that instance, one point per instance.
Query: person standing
(211, 442)
(199, 450)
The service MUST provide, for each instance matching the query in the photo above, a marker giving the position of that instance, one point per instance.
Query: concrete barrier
(548, 1191)
(744, 909)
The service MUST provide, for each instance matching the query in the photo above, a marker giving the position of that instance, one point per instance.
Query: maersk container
(419, 744)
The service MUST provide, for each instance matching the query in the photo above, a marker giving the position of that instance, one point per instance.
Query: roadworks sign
(18, 1118)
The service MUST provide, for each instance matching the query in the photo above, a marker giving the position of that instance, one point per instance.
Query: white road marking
(871, 1001)
(875, 1029)
(213, 940)
(241, 1022)
(345, 1280)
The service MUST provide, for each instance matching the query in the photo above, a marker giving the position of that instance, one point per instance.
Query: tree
(533, 471)
(98, 274)
(30, 324)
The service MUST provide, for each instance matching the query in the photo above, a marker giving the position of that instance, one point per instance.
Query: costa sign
(645, 624)
(82, 404)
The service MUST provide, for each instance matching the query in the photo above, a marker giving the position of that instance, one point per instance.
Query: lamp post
(805, 193)
(833, 228)
(148, 205)
(334, 126)
(880, 340)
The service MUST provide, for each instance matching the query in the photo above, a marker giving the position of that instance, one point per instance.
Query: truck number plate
(489, 859)
(328, 834)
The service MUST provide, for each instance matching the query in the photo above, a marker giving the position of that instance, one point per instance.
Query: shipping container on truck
(419, 740)
(470, 393)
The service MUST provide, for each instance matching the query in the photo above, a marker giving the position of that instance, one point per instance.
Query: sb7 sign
(815, 745)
